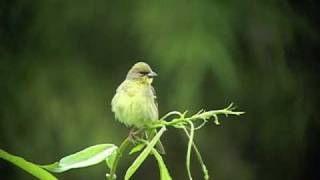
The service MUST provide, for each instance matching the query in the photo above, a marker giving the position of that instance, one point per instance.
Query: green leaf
(31, 168)
(137, 148)
(143, 155)
(164, 173)
(110, 159)
(87, 157)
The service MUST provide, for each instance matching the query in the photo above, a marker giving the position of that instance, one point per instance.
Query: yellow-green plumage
(134, 102)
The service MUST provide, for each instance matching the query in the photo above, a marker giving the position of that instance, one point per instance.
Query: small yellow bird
(134, 103)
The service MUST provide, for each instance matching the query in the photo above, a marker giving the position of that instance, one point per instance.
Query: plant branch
(181, 121)
(189, 149)
(121, 149)
(203, 166)
(201, 115)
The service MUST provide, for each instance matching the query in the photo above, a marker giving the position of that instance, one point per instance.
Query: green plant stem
(189, 149)
(203, 115)
(121, 149)
(199, 157)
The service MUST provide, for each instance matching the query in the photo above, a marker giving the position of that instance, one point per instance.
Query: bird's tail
(150, 134)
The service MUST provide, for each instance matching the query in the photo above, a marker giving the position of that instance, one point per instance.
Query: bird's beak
(152, 74)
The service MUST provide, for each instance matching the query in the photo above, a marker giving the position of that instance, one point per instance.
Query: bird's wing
(125, 86)
(154, 96)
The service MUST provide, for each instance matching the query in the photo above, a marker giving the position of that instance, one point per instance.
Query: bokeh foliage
(61, 61)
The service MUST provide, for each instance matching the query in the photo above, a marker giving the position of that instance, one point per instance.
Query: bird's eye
(143, 73)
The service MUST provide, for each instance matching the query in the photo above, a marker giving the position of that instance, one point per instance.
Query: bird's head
(142, 72)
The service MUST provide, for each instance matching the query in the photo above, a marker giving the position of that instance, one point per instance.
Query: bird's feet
(135, 134)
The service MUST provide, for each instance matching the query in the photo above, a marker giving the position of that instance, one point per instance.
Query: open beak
(152, 74)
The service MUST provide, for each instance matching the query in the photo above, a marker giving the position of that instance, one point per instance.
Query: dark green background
(61, 62)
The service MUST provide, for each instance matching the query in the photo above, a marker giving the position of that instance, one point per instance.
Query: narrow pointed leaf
(164, 173)
(29, 167)
(137, 148)
(87, 157)
(110, 159)
(143, 155)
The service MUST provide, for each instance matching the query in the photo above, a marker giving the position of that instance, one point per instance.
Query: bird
(134, 103)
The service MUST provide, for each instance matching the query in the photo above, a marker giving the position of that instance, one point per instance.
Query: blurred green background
(61, 62)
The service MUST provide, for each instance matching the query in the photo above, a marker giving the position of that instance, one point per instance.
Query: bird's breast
(135, 106)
